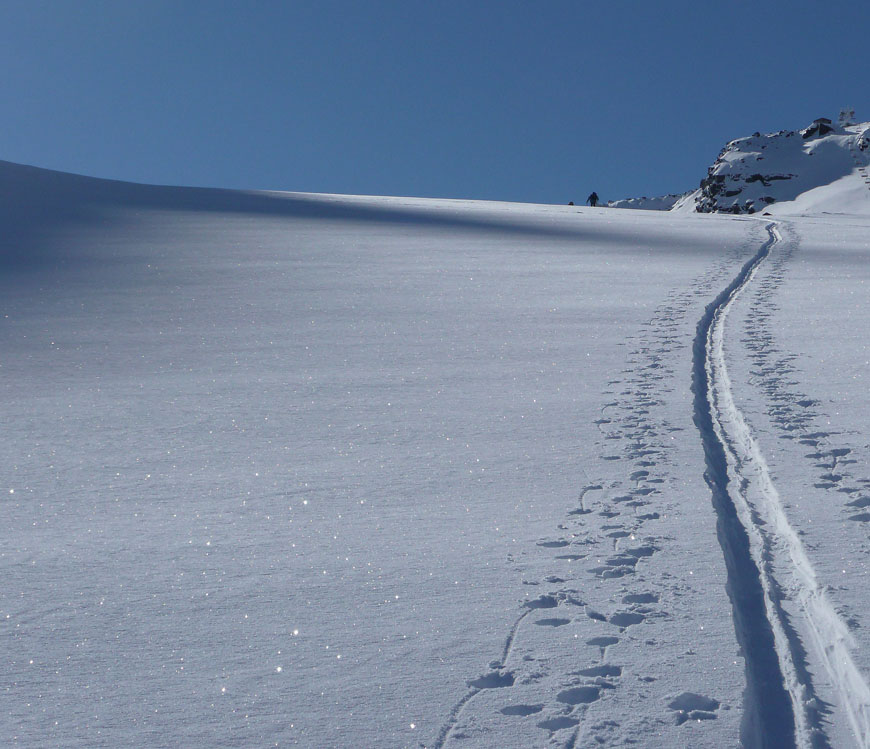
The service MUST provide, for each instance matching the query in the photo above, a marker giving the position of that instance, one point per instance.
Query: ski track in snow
(628, 509)
(772, 538)
(623, 535)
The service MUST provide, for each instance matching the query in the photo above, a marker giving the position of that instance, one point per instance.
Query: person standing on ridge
(593, 199)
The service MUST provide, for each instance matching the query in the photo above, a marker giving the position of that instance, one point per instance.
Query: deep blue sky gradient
(509, 99)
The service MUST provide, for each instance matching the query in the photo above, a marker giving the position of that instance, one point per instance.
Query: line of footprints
(795, 414)
(605, 552)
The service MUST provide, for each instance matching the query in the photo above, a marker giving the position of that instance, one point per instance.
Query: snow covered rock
(661, 203)
(755, 172)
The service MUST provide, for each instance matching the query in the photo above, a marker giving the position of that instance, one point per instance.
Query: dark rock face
(718, 189)
(821, 126)
(713, 184)
(767, 179)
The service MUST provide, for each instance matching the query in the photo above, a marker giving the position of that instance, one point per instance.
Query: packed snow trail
(755, 533)
(768, 716)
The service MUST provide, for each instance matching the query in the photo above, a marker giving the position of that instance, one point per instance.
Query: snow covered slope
(754, 173)
(304, 470)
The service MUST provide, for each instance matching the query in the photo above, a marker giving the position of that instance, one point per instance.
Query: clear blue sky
(502, 99)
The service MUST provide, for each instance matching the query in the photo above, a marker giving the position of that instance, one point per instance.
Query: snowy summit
(285, 469)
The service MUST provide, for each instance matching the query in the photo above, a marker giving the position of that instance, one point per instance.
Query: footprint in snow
(609, 573)
(649, 516)
(605, 670)
(626, 619)
(602, 642)
(521, 710)
(639, 552)
(691, 706)
(640, 598)
(578, 695)
(552, 622)
(493, 680)
(558, 723)
(593, 614)
(621, 560)
(542, 602)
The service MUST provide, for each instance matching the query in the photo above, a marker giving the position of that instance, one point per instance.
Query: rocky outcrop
(751, 173)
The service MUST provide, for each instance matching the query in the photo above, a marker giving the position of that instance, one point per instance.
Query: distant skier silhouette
(593, 199)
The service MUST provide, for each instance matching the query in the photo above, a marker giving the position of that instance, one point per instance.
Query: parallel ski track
(755, 535)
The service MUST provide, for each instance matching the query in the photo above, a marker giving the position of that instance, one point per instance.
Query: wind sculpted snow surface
(331, 471)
